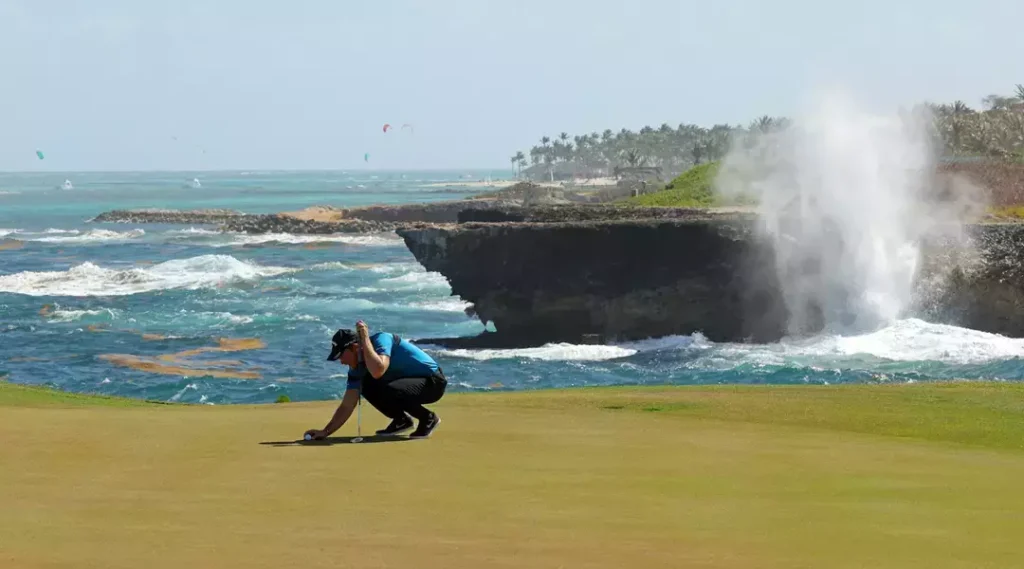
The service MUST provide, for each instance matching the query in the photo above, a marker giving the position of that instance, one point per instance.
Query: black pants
(396, 397)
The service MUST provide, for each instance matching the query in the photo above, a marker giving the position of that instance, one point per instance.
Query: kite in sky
(39, 154)
(386, 127)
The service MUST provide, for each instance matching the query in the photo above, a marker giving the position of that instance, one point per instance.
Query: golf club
(359, 417)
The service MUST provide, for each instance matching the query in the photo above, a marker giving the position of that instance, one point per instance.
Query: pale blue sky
(106, 84)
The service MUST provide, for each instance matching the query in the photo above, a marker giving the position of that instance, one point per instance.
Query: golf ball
(308, 437)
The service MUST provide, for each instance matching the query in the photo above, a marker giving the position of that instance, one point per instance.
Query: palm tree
(634, 157)
(998, 102)
(548, 160)
(763, 125)
(564, 137)
(958, 111)
(698, 151)
(516, 161)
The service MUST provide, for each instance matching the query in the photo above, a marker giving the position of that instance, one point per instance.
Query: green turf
(14, 395)
(983, 414)
(884, 476)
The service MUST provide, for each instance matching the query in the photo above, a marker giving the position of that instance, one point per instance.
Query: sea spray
(847, 198)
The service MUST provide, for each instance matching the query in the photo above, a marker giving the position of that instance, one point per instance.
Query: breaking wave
(88, 279)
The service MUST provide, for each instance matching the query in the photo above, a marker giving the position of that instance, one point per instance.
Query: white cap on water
(308, 437)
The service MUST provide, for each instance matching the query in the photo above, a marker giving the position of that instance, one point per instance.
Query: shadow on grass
(330, 441)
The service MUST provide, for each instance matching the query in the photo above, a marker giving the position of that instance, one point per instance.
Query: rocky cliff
(599, 281)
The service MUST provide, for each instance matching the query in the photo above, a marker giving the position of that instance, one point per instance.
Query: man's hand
(316, 434)
(363, 332)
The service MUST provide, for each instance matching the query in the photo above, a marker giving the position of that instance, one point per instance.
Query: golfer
(392, 374)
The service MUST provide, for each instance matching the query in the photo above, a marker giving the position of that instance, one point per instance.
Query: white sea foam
(89, 279)
(417, 280)
(909, 340)
(578, 352)
(62, 315)
(193, 231)
(95, 235)
(451, 304)
(215, 318)
(331, 266)
(190, 387)
(5, 232)
(906, 340)
(291, 239)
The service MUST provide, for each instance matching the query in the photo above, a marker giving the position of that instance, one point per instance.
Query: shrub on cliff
(692, 188)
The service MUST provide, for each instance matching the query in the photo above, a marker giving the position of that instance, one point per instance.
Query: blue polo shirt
(406, 361)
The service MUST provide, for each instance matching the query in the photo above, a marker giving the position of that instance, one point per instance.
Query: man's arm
(344, 411)
(376, 364)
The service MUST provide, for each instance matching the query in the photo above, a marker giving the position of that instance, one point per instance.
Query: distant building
(637, 173)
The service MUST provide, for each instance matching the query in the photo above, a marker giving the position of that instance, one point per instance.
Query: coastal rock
(229, 220)
(169, 216)
(436, 212)
(629, 279)
(595, 212)
(286, 224)
(610, 280)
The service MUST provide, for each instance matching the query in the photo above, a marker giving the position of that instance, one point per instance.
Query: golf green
(924, 475)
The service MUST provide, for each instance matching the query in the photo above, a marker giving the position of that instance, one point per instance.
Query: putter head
(357, 440)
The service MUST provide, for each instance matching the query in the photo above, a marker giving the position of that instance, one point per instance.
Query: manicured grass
(879, 476)
(14, 395)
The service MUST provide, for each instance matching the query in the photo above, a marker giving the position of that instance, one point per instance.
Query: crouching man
(392, 374)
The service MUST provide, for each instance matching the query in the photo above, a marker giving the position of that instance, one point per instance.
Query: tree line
(994, 132)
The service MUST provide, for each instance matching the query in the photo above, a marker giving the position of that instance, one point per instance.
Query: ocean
(187, 314)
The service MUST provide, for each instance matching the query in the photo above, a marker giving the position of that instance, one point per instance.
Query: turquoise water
(106, 308)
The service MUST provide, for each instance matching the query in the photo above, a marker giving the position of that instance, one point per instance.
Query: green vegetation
(1007, 213)
(881, 476)
(283, 399)
(692, 188)
(992, 133)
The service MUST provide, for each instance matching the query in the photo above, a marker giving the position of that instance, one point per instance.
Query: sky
(265, 84)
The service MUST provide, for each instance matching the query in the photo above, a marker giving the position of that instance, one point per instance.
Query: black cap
(342, 339)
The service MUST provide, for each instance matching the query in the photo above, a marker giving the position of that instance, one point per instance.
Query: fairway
(910, 476)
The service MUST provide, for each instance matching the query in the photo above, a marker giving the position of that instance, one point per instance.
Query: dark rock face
(286, 224)
(984, 293)
(169, 216)
(229, 220)
(632, 279)
(604, 281)
(566, 213)
(437, 212)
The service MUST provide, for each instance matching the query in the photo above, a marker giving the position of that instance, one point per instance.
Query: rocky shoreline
(320, 220)
(246, 222)
(603, 273)
(630, 279)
